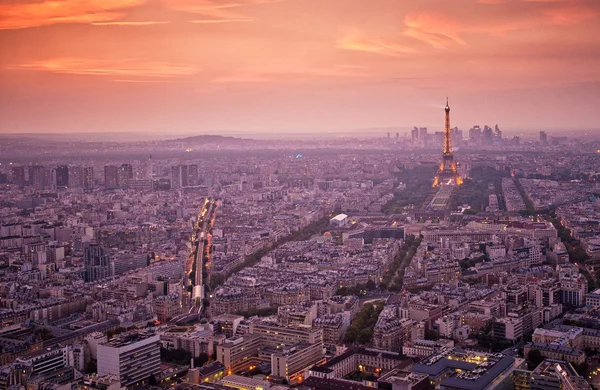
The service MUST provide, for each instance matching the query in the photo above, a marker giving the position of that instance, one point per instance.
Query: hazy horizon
(364, 133)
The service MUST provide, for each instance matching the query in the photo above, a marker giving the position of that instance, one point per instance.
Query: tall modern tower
(111, 177)
(62, 176)
(88, 178)
(96, 263)
(448, 173)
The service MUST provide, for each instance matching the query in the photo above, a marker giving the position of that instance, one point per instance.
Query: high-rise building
(414, 134)
(75, 176)
(543, 138)
(176, 177)
(457, 135)
(448, 172)
(37, 176)
(96, 263)
(184, 176)
(131, 357)
(488, 135)
(49, 178)
(423, 133)
(497, 135)
(193, 175)
(475, 134)
(128, 168)
(125, 175)
(111, 177)
(88, 178)
(18, 176)
(62, 176)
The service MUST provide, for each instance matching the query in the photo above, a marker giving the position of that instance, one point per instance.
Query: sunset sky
(271, 66)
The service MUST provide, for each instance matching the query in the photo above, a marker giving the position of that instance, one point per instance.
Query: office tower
(184, 176)
(517, 140)
(131, 357)
(125, 175)
(111, 177)
(448, 173)
(487, 135)
(75, 176)
(457, 135)
(414, 134)
(423, 133)
(176, 177)
(29, 177)
(88, 178)
(475, 134)
(543, 138)
(497, 134)
(193, 175)
(62, 176)
(388, 135)
(128, 168)
(50, 178)
(36, 177)
(18, 176)
(397, 135)
(96, 263)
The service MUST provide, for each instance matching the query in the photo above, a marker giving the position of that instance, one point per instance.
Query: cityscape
(388, 262)
(299, 195)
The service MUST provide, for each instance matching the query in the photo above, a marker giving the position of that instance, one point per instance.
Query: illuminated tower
(447, 174)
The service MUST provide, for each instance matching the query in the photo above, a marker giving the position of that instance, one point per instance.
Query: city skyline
(290, 66)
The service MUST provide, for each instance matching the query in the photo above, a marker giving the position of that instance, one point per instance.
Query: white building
(131, 357)
(339, 220)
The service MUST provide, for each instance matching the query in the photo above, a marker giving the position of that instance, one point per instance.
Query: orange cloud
(218, 9)
(435, 29)
(147, 23)
(124, 68)
(378, 46)
(446, 29)
(219, 21)
(48, 12)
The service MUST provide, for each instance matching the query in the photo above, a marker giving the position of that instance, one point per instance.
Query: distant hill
(210, 139)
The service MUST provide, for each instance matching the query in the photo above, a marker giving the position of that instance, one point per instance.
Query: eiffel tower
(447, 174)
